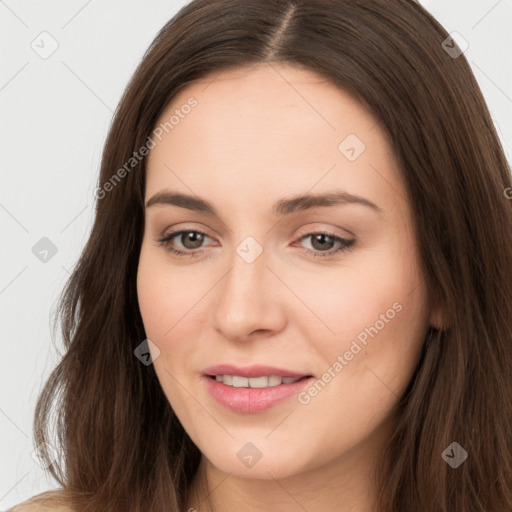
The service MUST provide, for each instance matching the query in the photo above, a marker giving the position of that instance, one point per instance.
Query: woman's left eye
(320, 239)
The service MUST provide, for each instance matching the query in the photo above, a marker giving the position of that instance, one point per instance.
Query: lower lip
(253, 399)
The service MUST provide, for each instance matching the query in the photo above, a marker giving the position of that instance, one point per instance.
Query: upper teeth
(254, 382)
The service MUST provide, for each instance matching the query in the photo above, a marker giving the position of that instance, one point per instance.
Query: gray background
(54, 114)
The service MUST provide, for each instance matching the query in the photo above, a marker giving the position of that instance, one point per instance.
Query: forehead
(270, 127)
(273, 97)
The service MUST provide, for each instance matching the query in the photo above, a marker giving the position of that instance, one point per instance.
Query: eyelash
(346, 245)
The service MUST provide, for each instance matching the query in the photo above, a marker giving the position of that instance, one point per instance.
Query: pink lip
(251, 371)
(252, 400)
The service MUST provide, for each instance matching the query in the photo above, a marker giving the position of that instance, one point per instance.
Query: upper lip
(257, 370)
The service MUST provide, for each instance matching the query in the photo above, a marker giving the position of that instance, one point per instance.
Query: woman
(219, 355)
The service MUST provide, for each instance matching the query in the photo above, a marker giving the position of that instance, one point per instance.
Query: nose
(249, 300)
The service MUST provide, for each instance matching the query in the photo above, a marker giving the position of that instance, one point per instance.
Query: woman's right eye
(197, 239)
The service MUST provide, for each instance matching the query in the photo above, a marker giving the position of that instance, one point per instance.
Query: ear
(439, 318)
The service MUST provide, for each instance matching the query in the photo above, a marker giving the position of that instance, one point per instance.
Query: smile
(238, 381)
(253, 394)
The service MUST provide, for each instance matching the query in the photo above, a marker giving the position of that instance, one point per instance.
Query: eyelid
(325, 228)
(186, 226)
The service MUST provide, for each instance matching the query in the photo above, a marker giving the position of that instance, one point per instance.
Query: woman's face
(263, 288)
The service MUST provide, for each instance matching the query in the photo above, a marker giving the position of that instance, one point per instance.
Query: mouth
(255, 376)
(263, 381)
(253, 389)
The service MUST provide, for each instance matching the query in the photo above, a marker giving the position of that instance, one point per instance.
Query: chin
(247, 462)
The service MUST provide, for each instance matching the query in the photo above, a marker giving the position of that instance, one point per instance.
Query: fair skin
(256, 136)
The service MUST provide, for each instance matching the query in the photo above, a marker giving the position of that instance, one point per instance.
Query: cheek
(171, 309)
(164, 300)
(378, 290)
(367, 368)
(377, 314)
(166, 294)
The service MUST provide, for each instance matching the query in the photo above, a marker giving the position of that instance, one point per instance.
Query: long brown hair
(121, 446)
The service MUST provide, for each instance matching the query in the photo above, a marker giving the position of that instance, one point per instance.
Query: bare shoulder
(49, 501)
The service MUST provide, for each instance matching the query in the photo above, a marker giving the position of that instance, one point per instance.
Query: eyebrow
(284, 206)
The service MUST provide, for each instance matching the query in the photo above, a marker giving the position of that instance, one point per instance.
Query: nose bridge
(246, 296)
(246, 281)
